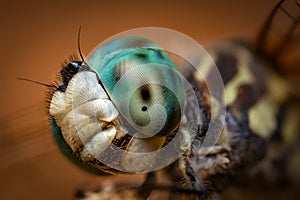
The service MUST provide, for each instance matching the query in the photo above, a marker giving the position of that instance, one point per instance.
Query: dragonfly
(35, 131)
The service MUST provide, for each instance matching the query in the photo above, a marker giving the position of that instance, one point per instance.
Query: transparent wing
(31, 166)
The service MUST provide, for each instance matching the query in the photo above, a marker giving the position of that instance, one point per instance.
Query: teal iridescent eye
(141, 80)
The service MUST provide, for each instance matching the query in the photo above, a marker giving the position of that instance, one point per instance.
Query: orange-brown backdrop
(36, 36)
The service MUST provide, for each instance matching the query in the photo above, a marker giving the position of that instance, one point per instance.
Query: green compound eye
(113, 112)
(142, 82)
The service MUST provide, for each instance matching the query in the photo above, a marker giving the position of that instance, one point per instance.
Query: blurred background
(36, 36)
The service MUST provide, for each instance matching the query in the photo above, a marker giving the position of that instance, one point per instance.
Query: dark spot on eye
(117, 78)
(159, 53)
(145, 93)
(144, 108)
(141, 55)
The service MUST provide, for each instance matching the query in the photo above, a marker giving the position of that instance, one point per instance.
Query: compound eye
(143, 83)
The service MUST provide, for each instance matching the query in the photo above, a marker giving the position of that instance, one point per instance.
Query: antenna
(37, 82)
(78, 44)
(263, 34)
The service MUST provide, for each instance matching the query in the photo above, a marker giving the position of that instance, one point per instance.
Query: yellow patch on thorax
(243, 76)
(263, 115)
(291, 127)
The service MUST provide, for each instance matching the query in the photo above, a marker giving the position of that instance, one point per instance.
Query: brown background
(36, 36)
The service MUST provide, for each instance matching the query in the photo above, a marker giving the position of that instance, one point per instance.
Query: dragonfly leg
(196, 182)
(147, 186)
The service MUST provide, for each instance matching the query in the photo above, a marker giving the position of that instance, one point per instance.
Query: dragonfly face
(128, 95)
